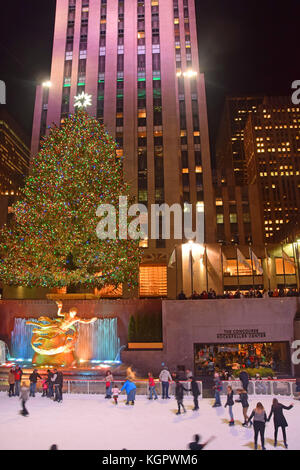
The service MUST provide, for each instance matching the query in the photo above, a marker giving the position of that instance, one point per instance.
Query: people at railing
(239, 294)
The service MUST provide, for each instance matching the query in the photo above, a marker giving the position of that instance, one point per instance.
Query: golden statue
(54, 339)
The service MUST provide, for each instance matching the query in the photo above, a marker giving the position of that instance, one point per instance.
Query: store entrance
(237, 356)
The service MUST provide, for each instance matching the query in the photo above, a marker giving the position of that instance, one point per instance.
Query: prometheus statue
(54, 339)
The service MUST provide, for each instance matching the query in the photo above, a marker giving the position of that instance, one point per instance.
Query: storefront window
(288, 268)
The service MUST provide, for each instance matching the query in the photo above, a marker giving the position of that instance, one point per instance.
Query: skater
(108, 384)
(279, 420)
(50, 383)
(130, 389)
(244, 378)
(230, 404)
(24, 395)
(33, 381)
(152, 390)
(195, 393)
(115, 393)
(18, 377)
(179, 388)
(11, 382)
(57, 381)
(259, 424)
(165, 378)
(217, 388)
(45, 387)
(245, 405)
(195, 444)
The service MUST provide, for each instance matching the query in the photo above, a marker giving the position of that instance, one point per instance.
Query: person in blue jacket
(130, 388)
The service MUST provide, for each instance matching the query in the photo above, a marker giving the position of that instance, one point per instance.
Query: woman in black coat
(279, 420)
(196, 393)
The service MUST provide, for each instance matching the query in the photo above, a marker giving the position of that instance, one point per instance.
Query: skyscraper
(139, 61)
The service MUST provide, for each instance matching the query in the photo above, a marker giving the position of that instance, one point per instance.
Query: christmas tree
(52, 240)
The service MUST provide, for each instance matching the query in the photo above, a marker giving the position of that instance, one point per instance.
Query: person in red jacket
(18, 377)
(152, 387)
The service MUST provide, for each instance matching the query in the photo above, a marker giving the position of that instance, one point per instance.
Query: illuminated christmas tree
(52, 240)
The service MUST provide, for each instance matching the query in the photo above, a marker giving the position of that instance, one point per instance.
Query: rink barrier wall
(283, 387)
(98, 386)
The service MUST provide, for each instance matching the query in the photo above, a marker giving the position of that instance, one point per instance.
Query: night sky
(245, 47)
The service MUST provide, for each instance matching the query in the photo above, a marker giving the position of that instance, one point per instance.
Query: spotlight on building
(190, 74)
(47, 84)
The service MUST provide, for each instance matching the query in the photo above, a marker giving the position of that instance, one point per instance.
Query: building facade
(139, 61)
(14, 162)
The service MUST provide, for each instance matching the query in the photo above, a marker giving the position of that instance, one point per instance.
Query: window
(153, 281)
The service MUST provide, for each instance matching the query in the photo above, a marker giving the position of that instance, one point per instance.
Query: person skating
(165, 378)
(115, 394)
(245, 405)
(217, 388)
(259, 424)
(45, 387)
(130, 389)
(33, 381)
(195, 444)
(195, 392)
(230, 404)
(57, 381)
(11, 383)
(108, 384)
(18, 378)
(179, 388)
(244, 378)
(24, 396)
(50, 383)
(152, 390)
(279, 420)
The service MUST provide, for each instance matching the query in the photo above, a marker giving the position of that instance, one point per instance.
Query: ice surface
(92, 422)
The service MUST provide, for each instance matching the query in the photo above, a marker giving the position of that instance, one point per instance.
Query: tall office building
(139, 62)
(272, 156)
(14, 162)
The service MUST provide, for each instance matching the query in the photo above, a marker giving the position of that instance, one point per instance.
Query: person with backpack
(165, 378)
(279, 420)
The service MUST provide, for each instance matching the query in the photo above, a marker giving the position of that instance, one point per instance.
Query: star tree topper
(83, 100)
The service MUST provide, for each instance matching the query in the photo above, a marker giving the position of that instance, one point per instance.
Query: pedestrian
(259, 424)
(18, 378)
(33, 381)
(50, 383)
(217, 388)
(45, 387)
(60, 380)
(24, 396)
(195, 393)
(152, 390)
(297, 391)
(244, 378)
(245, 405)
(279, 420)
(11, 383)
(108, 384)
(195, 444)
(230, 404)
(130, 389)
(165, 378)
(115, 393)
(188, 375)
(179, 388)
(57, 381)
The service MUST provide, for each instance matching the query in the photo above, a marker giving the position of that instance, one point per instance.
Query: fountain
(21, 348)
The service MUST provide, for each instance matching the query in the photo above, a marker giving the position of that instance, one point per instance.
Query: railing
(283, 387)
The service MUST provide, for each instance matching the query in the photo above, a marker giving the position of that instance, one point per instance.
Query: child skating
(115, 393)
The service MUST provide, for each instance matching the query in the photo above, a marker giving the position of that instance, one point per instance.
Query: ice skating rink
(90, 422)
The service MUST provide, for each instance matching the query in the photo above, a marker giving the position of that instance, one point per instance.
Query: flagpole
(192, 275)
(206, 270)
(253, 281)
(295, 253)
(237, 267)
(268, 268)
(222, 268)
(283, 268)
(176, 271)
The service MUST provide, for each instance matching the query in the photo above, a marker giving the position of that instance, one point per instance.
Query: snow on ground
(90, 422)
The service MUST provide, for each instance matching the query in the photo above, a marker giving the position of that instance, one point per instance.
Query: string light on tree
(83, 100)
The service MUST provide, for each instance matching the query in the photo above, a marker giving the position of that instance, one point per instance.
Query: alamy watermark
(296, 94)
(2, 92)
(115, 222)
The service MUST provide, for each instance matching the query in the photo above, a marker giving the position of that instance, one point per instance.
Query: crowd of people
(239, 294)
